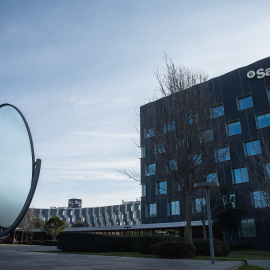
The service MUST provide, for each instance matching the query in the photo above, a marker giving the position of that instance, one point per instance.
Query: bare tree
(183, 135)
(199, 210)
(188, 144)
(256, 172)
(226, 213)
(27, 225)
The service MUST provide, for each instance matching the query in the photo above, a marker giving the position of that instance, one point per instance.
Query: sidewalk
(260, 263)
(30, 257)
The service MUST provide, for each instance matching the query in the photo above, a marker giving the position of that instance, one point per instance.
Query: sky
(79, 70)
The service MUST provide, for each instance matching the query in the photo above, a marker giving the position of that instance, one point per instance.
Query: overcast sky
(79, 70)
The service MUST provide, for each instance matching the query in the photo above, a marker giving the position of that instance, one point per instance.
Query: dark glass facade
(242, 109)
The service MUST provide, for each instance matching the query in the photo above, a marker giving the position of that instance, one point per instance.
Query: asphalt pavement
(34, 257)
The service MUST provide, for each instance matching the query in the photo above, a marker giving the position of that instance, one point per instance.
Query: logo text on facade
(261, 73)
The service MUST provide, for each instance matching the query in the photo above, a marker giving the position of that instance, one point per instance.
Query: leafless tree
(184, 135)
(257, 173)
(27, 225)
(188, 144)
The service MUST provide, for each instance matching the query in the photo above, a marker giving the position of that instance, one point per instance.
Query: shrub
(241, 245)
(203, 247)
(145, 243)
(174, 249)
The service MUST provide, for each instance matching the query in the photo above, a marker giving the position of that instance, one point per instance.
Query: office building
(239, 106)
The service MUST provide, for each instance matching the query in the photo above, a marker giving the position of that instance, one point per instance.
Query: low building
(126, 213)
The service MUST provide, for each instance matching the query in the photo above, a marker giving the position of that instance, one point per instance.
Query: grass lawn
(242, 255)
(119, 254)
(235, 255)
(250, 267)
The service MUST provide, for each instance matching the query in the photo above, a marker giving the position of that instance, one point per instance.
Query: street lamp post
(207, 186)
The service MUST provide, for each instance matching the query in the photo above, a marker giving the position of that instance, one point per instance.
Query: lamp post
(41, 237)
(207, 186)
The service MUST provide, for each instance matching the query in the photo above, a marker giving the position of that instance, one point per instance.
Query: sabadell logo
(261, 73)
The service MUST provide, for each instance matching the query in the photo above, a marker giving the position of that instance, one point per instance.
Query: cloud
(96, 134)
(79, 71)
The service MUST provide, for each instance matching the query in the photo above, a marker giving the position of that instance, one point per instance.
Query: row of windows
(173, 207)
(247, 227)
(216, 111)
(198, 205)
(233, 128)
(240, 175)
(260, 199)
(242, 104)
(251, 148)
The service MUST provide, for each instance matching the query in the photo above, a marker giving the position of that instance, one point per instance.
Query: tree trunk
(22, 237)
(204, 230)
(188, 228)
(14, 237)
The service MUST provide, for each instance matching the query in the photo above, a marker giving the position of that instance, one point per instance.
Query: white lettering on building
(261, 73)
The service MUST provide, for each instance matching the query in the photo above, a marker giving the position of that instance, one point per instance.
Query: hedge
(241, 245)
(174, 249)
(203, 247)
(88, 242)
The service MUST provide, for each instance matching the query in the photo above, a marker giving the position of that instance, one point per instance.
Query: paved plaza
(30, 257)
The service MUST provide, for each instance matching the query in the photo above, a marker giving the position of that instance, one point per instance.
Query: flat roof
(169, 225)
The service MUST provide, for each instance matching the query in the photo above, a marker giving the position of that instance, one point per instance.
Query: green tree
(38, 223)
(78, 224)
(54, 226)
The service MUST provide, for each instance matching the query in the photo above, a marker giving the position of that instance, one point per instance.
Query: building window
(151, 210)
(150, 169)
(143, 151)
(149, 132)
(143, 190)
(260, 199)
(182, 142)
(222, 154)
(161, 187)
(160, 148)
(263, 120)
(240, 175)
(193, 119)
(247, 228)
(230, 200)
(267, 170)
(170, 126)
(234, 128)
(245, 103)
(174, 208)
(198, 205)
(197, 159)
(217, 111)
(173, 165)
(253, 148)
(212, 177)
(207, 136)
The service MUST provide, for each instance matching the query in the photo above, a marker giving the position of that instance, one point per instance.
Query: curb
(237, 266)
